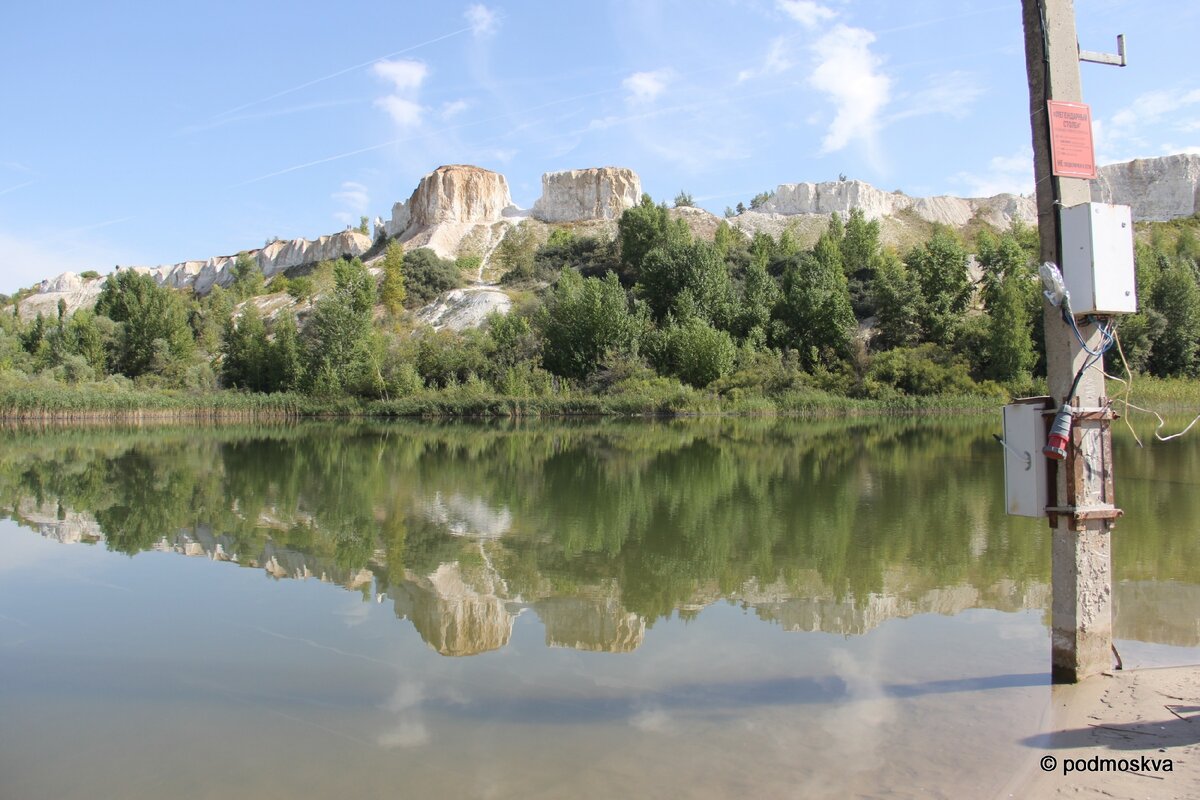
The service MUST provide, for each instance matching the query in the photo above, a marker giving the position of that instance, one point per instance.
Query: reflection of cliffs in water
(820, 611)
(456, 614)
(602, 528)
(590, 621)
(466, 610)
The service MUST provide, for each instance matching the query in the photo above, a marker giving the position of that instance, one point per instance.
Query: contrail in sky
(332, 75)
(18, 186)
(422, 135)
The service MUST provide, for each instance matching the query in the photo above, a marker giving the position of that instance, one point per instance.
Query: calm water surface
(704, 608)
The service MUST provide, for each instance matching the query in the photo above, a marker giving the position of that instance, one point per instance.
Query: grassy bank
(103, 401)
(56, 402)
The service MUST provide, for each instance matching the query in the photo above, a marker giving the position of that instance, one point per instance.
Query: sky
(145, 133)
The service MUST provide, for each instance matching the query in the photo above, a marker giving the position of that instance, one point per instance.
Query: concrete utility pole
(1081, 565)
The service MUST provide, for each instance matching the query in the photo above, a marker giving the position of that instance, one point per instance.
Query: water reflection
(601, 529)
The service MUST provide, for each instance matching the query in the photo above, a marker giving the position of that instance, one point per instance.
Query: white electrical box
(1025, 468)
(1097, 258)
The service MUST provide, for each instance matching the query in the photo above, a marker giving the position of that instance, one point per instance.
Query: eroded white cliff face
(199, 276)
(1156, 188)
(455, 210)
(842, 196)
(587, 194)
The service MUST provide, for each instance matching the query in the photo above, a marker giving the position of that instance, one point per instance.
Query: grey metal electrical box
(1097, 258)
(1025, 469)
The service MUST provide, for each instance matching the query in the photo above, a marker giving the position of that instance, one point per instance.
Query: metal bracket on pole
(1106, 58)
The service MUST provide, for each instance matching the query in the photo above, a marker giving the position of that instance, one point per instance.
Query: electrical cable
(1128, 389)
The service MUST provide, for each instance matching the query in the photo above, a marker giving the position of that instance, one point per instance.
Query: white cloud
(403, 74)
(406, 78)
(453, 108)
(1011, 174)
(645, 87)
(483, 20)
(849, 73)
(405, 113)
(806, 12)
(353, 195)
(777, 60)
(950, 93)
(1133, 132)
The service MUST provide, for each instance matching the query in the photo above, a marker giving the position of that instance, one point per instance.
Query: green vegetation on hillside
(655, 317)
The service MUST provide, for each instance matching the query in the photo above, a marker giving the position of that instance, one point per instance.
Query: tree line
(653, 307)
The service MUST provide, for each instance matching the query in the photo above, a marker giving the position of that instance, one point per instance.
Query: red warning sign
(1071, 149)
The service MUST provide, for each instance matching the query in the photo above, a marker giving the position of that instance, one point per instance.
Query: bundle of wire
(1108, 336)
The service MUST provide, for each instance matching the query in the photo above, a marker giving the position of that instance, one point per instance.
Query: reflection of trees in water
(664, 514)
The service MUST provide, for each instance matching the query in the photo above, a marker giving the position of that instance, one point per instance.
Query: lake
(640, 608)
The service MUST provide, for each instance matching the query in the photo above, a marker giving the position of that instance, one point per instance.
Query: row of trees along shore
(655, 315)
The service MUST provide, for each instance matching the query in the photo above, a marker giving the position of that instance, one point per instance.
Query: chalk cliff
(842, 196)
(1157, 188)
(461, 210)
(586, 194)
(199, 276)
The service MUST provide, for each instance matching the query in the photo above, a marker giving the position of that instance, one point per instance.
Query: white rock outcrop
(199, 276)
(587, 194)
(1156, 188)
(842, 196)
(455, 210)
(460, 309)
(74, 290)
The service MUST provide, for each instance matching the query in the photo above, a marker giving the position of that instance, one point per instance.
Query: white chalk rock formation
(460, 309)
(842, 196)
(455, 210)
(199, 276)
(587, 194)
(1156, 188)
(272, 259)
(72, 289)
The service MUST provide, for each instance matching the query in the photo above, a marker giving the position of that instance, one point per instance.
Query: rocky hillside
(1158, 189)
(462, 210)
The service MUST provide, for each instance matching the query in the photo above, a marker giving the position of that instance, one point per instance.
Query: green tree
(337, 338)
(897, 300)
(643, 228)
(941, 268)
(815, 313)
(1010, 341)
(696, 352)
(687, 266)
(1177, 298)
(861, 256)
(285, 362)
(585, 319)
(515, 253)
(391, 291)
(684, 200)
(147, 312)
(248, 278)
(84, 338)
(1011, 295)
(760, 295)
(245, 351)
(426, 275)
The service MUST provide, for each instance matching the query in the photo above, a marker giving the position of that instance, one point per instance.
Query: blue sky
(149, 133)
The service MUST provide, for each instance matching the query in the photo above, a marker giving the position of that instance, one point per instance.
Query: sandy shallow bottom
(1144, 716)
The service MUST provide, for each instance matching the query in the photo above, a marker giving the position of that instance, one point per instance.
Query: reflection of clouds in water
(356, 615)
(651, 720)
(409, 729)
(856, 726)
(468, 516)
